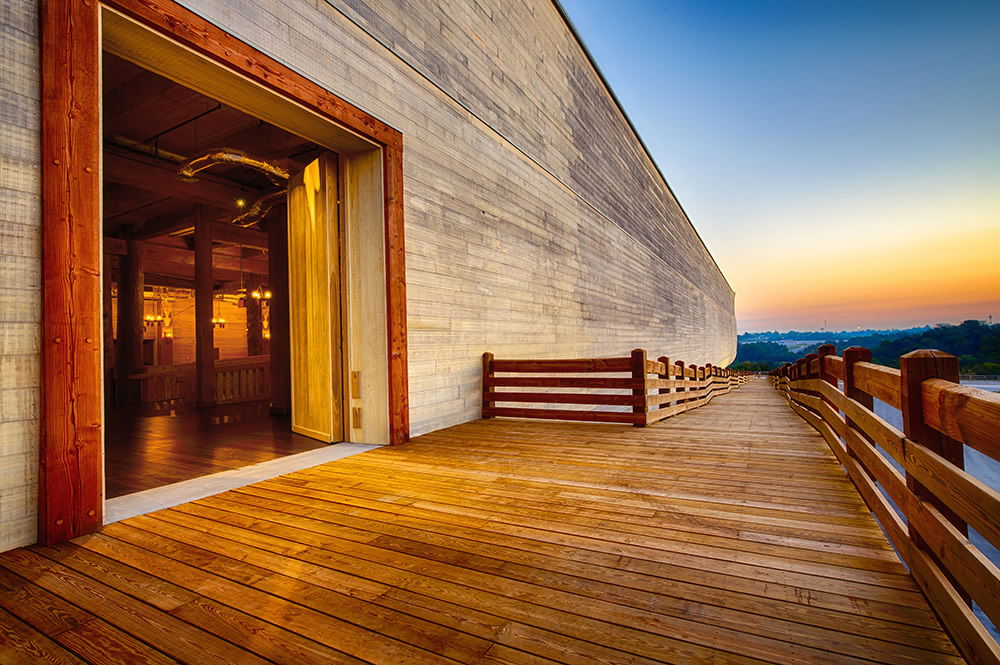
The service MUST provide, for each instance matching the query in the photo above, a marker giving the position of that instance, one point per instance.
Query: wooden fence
(935, 496)
(646, 391)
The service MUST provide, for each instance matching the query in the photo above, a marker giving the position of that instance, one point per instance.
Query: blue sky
(784, 127)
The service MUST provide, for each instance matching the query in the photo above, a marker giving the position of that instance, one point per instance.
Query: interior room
(195, 297)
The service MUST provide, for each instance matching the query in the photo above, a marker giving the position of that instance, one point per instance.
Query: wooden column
(70, 479)
(107, 285)
(915, 368)
(277, 274)
(639, 374)
(488, 390)
(255, 322)
(694, 377)
(204, 332)
(131, 310)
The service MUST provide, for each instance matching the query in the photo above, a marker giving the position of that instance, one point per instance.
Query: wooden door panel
(314, 311)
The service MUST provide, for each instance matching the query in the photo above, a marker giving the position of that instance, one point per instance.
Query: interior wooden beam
(179, 255)
(170, 281)
(130, 316)
(281, 379)
(204, 329)
(156, 175)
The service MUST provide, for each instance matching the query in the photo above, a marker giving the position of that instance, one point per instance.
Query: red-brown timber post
(915, 368)
(488, 388)
(665, 376)
(828, 377)
(856, 354)
(679, 376)
(809, 360)
(694, 377)
(639, 394)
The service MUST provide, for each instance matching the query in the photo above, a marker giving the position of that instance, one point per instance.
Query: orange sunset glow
(840, 160)
(947, 279)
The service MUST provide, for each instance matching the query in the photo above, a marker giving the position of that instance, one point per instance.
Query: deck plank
(729, 534)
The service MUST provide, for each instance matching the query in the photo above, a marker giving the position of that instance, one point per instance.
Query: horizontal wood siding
(20, 273)
(510, 181)
(536, 226)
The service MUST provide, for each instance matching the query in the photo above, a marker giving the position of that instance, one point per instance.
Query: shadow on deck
(729, 534)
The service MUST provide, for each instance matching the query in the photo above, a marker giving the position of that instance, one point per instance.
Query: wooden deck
(729, 534)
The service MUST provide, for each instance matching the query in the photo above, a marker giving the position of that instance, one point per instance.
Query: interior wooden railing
(935, 500)
(236, 380)
(645, 391)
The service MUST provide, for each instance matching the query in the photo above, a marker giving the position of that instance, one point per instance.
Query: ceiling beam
(156, 175)
(182, 256)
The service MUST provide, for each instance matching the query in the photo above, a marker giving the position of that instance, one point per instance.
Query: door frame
(71, 453)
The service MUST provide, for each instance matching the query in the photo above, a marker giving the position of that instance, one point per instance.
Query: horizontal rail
(937, 500)
(645, 392)
(568, 366)
(965, 414)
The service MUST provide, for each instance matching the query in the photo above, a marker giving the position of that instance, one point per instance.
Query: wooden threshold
(729, 534)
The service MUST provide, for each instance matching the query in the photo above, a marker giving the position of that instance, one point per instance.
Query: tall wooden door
(314, 301)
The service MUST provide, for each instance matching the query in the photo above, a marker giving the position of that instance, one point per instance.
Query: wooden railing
(645, 391)
(242, 379)
(236, 380)
(935, 496)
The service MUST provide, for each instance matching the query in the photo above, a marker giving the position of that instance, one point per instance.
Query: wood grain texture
(314, 283)
(935, 497)
(500, 254)
(21, 271)
(70, 478)
(395, 276)
(509, 542)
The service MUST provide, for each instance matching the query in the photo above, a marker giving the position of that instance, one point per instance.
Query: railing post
(488, 389)
(666, 375)
(810, 357)
(694, 377)
(680, 377)
(824, 351)
(639, 373)
(915, 368)
(856, 354)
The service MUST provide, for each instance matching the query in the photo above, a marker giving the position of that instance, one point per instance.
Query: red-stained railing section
(937, 500)
(630, 390)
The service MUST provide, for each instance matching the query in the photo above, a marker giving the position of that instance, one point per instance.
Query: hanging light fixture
(241, 299)
(217, 320)
(156, 318)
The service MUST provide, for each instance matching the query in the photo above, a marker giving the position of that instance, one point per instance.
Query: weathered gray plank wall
(20, 272)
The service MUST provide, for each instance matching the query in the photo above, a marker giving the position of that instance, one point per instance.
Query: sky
(840, 158)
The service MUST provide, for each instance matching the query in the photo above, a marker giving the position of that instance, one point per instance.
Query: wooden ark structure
(331, 208)
(236, 230)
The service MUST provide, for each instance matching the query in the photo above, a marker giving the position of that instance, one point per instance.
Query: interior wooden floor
(725, 535)
(146, 450)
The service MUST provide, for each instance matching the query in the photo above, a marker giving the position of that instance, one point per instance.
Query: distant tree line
(822, 335)
(976, 344)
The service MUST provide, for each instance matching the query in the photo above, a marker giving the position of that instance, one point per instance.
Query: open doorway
(163, 37)
(196, 299)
